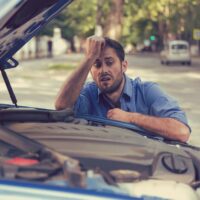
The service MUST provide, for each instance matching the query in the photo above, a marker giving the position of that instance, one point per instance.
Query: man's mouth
(105, 78)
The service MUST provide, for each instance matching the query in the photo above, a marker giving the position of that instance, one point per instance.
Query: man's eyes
(97, 64)
(109, 63)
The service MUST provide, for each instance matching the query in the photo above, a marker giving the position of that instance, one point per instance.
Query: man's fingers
(94, 46)
(110, 114)
(99, 42)
(96, 40)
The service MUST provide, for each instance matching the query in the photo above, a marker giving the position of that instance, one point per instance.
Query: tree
(114, 22)
(131, 21)
(78, 19)
(163, 18)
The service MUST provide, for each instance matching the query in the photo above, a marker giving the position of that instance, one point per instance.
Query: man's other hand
(118, 114)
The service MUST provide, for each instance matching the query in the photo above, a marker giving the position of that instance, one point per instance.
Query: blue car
(48, 154)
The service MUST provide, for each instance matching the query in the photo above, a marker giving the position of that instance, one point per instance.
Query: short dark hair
(116, 46)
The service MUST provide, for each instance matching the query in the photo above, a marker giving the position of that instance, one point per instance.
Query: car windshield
(179, 46)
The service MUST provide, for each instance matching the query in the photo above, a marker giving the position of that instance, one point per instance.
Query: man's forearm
(71, 88)
(168, 127)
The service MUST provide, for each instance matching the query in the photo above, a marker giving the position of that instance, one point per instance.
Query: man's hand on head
(94, 46)
(118, 114)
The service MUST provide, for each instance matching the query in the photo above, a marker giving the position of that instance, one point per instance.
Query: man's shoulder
(139, 84)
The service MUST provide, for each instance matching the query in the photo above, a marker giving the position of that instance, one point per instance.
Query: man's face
(108, 71)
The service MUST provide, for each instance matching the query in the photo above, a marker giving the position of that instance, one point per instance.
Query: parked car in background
(176, 51)
(48, 154)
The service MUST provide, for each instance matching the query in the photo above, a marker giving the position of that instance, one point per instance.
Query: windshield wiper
(9, 87)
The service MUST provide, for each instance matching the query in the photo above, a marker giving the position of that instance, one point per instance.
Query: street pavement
(36, 84)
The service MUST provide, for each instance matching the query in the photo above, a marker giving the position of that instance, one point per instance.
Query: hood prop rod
(9, 87)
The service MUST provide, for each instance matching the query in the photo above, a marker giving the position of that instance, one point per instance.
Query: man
(116, 96)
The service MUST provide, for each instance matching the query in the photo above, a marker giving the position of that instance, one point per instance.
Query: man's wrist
(88, 61)
(133, 118)
(91, 58)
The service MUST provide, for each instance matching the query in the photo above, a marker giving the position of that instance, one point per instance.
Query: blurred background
(140, 25)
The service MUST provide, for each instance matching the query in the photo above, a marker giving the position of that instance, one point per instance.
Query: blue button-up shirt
(142, 97)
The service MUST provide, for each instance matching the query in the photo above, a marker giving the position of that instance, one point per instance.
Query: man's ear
(124, 66)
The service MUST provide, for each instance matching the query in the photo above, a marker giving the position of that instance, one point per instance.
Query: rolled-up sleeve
(82, 105)
(162, 105)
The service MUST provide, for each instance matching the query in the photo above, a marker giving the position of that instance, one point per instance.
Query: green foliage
(77, 19)
(142, 18)
(159, 18)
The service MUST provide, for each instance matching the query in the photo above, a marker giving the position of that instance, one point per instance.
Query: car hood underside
(110, 148)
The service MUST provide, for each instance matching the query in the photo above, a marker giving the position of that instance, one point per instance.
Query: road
(35, 84)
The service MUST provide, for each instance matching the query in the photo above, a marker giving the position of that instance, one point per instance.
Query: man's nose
(104, 68)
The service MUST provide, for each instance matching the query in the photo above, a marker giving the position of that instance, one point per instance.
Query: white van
(176, 51)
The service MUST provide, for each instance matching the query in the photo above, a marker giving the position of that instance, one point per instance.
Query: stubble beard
(114, 87)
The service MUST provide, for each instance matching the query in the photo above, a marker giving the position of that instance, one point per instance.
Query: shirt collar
(127, 91)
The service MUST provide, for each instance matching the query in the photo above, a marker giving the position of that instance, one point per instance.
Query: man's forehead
(108, 53)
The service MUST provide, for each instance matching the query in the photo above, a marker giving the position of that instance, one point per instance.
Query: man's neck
(114, 96)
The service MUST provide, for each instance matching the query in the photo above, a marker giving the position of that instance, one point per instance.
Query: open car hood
(108, 158)
(20, 20)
